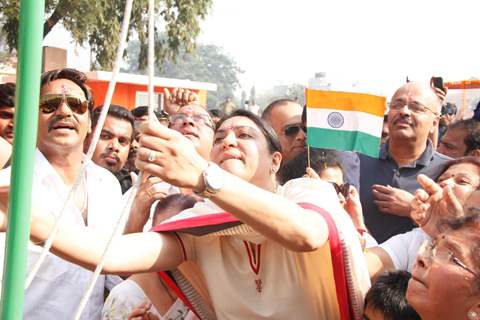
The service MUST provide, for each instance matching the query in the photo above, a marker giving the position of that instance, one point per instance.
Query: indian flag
(345, 121)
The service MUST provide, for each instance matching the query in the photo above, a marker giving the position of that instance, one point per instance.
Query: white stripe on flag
(344, 120)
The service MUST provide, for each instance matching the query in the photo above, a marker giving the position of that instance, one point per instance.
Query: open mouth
(189, 134)
(230, 157)
(63, 126)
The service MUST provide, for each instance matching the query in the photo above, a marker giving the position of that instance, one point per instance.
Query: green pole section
(30, 38)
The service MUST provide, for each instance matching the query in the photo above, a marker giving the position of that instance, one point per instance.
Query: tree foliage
(98, 23)
(208, 63)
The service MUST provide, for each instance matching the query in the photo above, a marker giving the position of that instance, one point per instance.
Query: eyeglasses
(413, 107)
(199, 119)
(344, 189)
(431, 252)
(49, 103)
(292, 130)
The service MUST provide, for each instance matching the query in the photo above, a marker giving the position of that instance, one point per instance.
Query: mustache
(406, 119)
(52, 123)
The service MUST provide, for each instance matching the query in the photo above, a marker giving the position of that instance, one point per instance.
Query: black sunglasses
(343, 189)
(292, 130)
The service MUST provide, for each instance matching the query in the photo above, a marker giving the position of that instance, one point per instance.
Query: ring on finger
(152, 156)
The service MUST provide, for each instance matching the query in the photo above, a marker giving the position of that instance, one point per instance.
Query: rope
(151, 117)
(91, 149)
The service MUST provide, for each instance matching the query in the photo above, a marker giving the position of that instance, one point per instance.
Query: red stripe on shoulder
(336, 253)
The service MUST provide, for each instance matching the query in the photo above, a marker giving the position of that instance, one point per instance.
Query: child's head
(386, 298)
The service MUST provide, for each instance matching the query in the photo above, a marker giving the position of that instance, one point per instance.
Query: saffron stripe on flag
(343, 140)
(346, 101)
(345, 120)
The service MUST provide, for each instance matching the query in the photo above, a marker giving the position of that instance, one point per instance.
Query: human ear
(276, 161)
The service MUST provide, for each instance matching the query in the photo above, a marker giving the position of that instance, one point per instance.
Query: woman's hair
(469, 224)
(320, 159)
(468, 159)
(265, 128)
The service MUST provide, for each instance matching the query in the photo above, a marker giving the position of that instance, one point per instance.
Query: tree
(208, 63)
(98, 23)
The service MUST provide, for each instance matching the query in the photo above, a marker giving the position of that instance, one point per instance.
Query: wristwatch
(213, 177)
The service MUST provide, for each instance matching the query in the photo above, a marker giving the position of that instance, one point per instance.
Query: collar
(423, 160)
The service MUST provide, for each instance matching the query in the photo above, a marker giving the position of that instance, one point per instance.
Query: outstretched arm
(138, 252)
(177, 162)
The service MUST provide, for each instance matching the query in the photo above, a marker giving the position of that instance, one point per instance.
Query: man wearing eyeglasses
(63, 124)
(194, 122)
(387, 183)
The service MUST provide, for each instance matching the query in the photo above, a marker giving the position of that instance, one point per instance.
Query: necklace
(253, 252)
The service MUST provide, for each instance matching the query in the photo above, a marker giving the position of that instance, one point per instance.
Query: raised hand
(167, 154)
(177, 98)
(434, 204)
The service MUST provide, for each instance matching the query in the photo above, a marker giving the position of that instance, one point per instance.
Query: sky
(373, 43)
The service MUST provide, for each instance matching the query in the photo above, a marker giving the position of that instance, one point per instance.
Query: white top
(58, 287)
(403, 248)
(263, 280)
(128, 295)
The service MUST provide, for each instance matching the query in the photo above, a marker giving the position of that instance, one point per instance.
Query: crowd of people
(235, 218)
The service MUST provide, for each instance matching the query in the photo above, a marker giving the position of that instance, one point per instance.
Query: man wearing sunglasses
(63, 124)
(285, 117)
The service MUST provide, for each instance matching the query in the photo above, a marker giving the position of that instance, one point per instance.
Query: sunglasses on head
(292, 130)
(343, 189)
(49, 103)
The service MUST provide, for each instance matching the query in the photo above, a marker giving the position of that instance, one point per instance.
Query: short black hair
(77, 77)
(320, 159)
(387, 295)
(143, 111)
(265, 128)
(472, 137)
(272, 105)
(7, 95)
(115, 111)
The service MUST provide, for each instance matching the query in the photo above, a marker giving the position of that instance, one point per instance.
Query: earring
(472, 315)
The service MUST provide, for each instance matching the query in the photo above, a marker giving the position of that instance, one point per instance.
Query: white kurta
(57, 289)
(264, 280)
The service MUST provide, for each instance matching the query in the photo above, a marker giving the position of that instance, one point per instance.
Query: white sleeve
(403, 248)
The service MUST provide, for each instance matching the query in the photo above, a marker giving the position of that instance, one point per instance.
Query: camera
(449, 109)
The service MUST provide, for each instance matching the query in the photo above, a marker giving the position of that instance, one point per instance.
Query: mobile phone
(438, 82)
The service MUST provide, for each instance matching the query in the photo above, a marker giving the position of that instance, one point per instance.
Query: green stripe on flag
(343, 140)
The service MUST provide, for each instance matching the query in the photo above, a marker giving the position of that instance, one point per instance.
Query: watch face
(214, 178)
